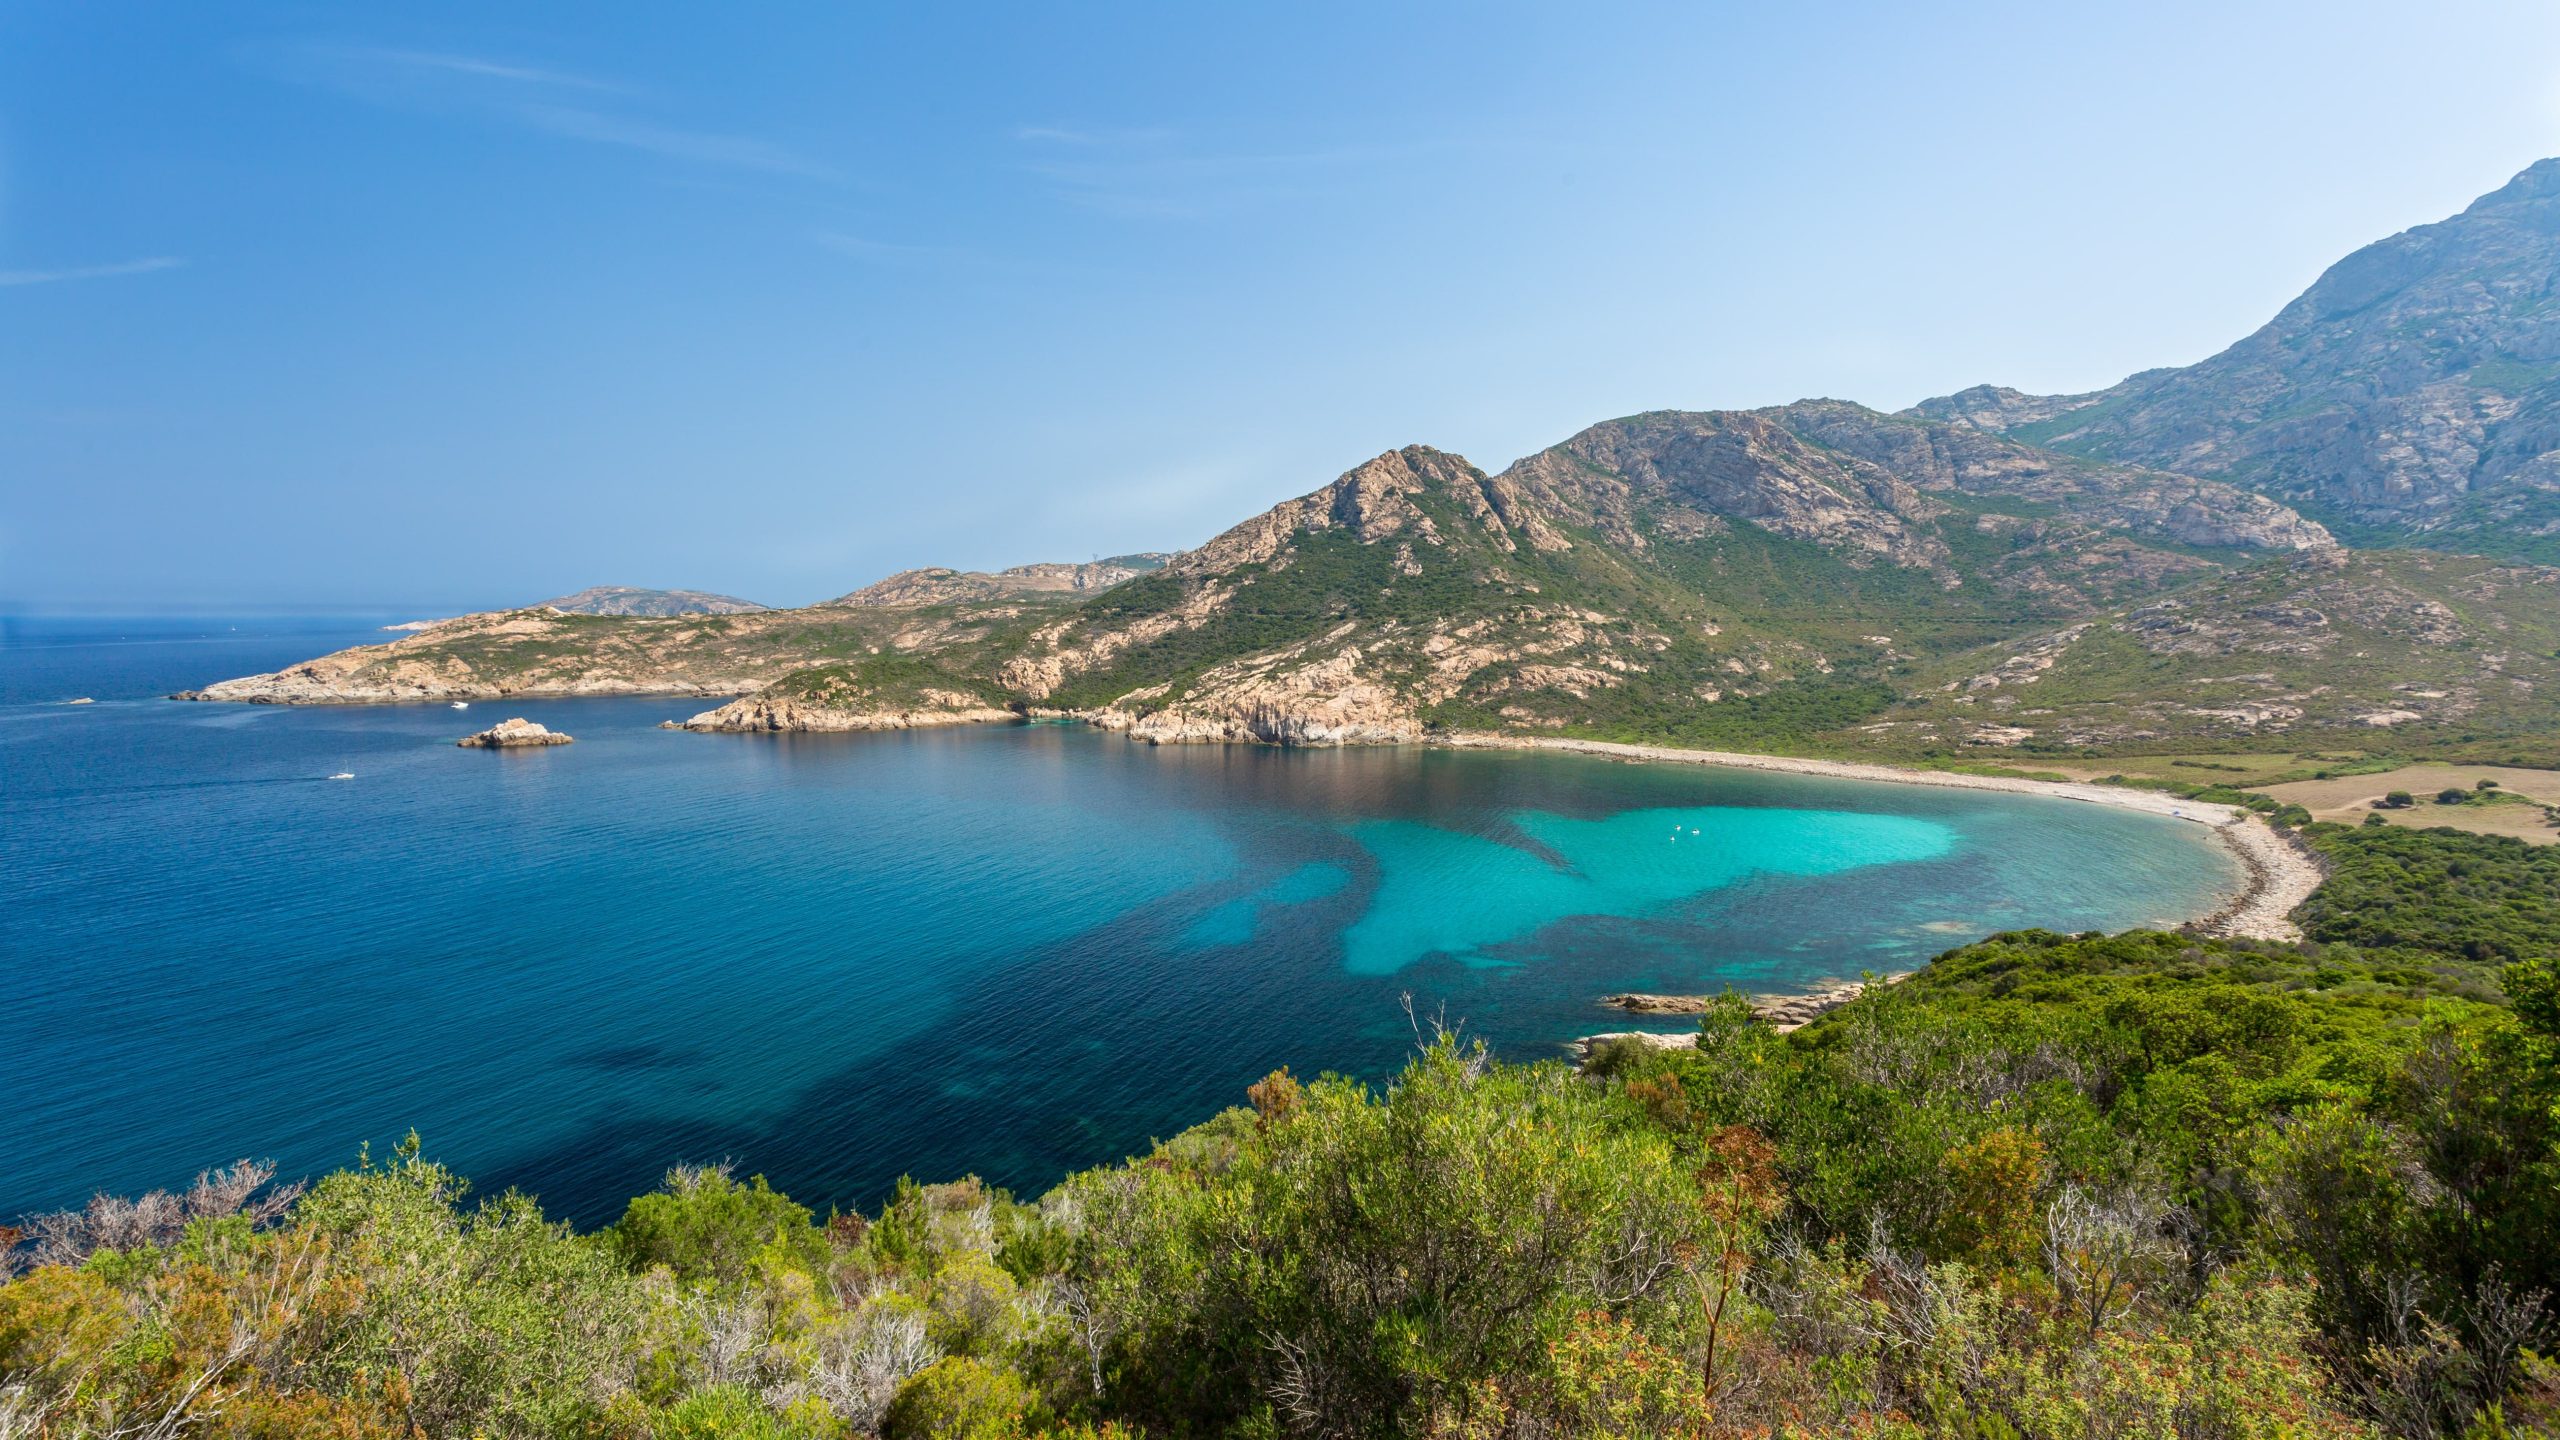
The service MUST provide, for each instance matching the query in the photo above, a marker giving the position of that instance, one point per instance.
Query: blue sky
(461, 305)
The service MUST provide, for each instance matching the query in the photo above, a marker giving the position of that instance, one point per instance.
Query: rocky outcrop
(546, 653)
(1997, 407)
(1276, 700)
(1781, 1013)
(633, 600)
(515, 733)
(1722, 465)
(1957, 459)
(939, 586)
(757, 715)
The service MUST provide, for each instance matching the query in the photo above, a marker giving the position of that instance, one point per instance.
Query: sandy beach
(2279, 873)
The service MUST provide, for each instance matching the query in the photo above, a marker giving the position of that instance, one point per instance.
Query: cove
(1007, 951)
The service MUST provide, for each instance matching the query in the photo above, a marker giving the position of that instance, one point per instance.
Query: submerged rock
(513, 733)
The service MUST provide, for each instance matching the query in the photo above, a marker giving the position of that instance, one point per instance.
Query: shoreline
(2277, 872)
(1781, 1011)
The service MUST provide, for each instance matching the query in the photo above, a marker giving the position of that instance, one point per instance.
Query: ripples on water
(834, 959)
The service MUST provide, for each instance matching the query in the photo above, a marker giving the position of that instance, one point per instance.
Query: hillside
(2411, 395)
(1815, 575)
(2361, 649)
(1674, 569)
(632, 600)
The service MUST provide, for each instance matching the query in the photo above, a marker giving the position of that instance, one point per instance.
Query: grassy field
(2526, 815)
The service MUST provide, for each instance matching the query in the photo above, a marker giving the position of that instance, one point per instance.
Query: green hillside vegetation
(2068, 1186)
(887, 681)
(2410, 654)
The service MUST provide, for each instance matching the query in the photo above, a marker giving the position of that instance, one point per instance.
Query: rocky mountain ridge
(1644, 565)
(634, 600)
(939, 586)
(2411, 394)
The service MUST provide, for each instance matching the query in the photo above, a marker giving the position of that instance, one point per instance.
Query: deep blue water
(1010, 951)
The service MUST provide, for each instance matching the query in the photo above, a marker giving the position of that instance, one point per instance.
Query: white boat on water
(461, 704)
(344, 775)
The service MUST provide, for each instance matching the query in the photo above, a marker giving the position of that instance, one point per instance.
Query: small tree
(2104, 1254)
(1738, 1193)
(2452, 795)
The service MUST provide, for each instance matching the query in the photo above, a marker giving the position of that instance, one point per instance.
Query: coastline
(2278, 874)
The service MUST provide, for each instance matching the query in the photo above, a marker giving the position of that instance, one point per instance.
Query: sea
(1003, 951)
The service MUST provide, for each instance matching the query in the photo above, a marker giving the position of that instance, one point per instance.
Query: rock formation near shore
(759, 714)
(514, 733)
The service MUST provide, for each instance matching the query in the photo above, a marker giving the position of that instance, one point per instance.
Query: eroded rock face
(1732, 464)
(515, 733)
(1964, 460)
(758, 714)
(1273, 701)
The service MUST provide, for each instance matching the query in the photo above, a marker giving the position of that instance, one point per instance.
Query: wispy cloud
(1090, 135)
(465, 65)
(542, 98)
(90, 272)
(1162, 174)
(888, 251)
(736, 152)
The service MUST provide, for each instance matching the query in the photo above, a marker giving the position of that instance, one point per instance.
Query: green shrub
(961, 1398)
(723, 1412)
(707, 1225)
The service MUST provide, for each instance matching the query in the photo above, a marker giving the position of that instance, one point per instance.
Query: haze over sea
(1008, 950)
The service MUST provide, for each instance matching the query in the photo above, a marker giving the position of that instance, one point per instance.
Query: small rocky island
(513, 734)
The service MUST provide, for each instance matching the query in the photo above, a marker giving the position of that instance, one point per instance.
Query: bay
(1007, 951)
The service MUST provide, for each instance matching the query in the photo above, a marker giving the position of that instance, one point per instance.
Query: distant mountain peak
(2412, 392)
(635, 600)
(941, 585)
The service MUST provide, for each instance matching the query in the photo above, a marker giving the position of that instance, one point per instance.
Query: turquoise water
(834, 959)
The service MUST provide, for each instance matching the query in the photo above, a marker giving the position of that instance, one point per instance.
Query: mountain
(632, 600)
(2411, 395)
(1721, 575)
(942, 587)
(1990, 569)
